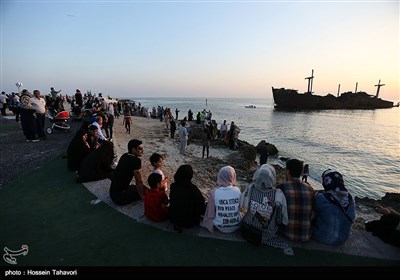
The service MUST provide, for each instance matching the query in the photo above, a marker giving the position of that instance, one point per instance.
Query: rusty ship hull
(290, 99)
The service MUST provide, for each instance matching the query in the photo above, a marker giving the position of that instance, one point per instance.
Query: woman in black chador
(186, 201)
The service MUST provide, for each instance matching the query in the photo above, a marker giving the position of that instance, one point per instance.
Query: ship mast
(310, 81)
(379, 85)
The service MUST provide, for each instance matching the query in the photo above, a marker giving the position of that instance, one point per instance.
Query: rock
(249, 153)
(272, 150)
(393, 197)
(284, 159)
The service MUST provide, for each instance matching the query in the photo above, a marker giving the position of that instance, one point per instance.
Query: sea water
(363, 145)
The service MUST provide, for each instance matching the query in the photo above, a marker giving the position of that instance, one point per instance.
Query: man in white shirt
(223, 130)
(39, 104)
(3, 103)
(183, 136)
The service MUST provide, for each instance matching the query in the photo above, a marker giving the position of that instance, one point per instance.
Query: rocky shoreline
(245, 164)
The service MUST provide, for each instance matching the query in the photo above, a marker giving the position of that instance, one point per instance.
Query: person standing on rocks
(264, 153)
(223, 130)
(233, 136)
(206, 142)
(172, 128)
(183, 136)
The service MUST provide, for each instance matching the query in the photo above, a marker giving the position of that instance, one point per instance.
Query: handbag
(251, 234)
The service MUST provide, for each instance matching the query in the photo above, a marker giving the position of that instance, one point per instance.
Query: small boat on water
(291, 99)
(250, 106)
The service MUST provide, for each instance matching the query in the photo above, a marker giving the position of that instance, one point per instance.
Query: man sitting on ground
(129, 165)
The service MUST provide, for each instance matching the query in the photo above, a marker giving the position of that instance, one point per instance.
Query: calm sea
(363, 145)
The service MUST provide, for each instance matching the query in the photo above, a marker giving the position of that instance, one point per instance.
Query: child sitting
(157, 161)
(155, 200)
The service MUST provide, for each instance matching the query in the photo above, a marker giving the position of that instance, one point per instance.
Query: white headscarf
(265, 177)
(226, 176)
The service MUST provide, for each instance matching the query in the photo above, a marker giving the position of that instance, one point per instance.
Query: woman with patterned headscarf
(334, 210)
(265, 206)
(223, 204)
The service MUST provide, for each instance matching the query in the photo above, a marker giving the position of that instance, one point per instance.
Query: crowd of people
(30, 110)
(290, 211)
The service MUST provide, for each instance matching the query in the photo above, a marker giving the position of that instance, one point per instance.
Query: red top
(153, 201)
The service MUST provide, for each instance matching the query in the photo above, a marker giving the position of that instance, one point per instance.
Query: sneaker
(28, 140)
(35, 140)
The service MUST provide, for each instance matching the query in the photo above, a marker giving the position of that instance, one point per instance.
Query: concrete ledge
(360, 243)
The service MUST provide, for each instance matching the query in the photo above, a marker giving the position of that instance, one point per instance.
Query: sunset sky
(200, 48)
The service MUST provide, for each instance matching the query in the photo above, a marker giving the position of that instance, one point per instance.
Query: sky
(227, 49)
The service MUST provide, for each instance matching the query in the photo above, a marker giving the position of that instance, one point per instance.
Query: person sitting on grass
(155, 199)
